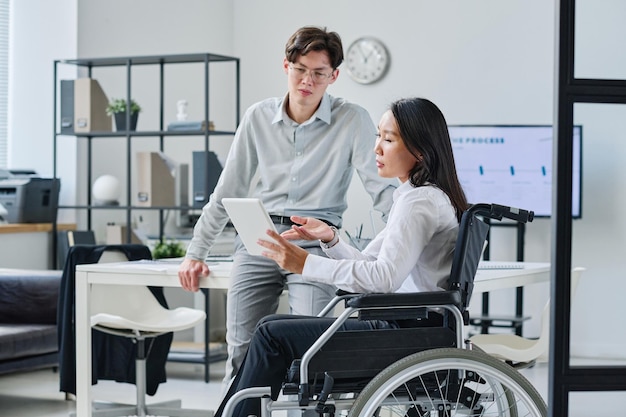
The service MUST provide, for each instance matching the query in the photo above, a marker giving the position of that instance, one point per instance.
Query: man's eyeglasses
(316, 76)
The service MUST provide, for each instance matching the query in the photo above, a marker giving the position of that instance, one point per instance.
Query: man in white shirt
(304, 147)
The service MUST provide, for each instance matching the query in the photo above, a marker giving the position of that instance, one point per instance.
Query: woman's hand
(287, 255)
(310, 229)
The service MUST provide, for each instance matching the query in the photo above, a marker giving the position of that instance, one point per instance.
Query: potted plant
(117, 109)
(169, 249)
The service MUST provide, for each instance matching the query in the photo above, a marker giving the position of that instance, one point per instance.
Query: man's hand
(285, 253)
(190, 272)
(310, 229)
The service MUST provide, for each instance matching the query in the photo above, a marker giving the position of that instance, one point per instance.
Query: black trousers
(276, 342)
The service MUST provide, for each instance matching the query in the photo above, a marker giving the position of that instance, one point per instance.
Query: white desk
(496, 279)
(165, 274)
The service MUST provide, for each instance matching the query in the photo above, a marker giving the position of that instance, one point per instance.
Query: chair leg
(170, 408)
(140, 380)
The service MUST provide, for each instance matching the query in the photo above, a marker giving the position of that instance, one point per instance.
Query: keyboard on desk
(500, 265)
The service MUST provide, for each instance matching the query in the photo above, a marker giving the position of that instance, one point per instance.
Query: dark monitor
(512, 165)
(206, 172)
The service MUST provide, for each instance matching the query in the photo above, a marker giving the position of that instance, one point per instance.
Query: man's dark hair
(311, 38)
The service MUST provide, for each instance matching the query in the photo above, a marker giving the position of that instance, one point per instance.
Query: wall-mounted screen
(512, 165)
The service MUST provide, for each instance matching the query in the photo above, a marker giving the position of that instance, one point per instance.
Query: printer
(27, 198)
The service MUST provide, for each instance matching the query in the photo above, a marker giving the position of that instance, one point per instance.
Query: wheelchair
(422, 370)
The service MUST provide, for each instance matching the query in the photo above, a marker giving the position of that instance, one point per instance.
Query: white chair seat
(158, 321)
(509, 347)
(135, 308)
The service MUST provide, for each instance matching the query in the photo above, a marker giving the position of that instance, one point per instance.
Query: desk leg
(519, 309)
(83, 346)
(484, 324)
(207, 334)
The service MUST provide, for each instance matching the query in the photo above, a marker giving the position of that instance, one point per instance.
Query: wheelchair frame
(443, 381)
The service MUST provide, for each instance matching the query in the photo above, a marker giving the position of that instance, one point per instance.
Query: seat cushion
(28, 297)
(22, 340)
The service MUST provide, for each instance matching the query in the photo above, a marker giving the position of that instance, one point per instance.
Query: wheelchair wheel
(449, 382)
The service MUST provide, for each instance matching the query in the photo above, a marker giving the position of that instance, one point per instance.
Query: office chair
(113, 356)
(135, 313)
(518, 351)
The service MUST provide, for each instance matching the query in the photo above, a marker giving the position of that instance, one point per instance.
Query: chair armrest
(414, 299)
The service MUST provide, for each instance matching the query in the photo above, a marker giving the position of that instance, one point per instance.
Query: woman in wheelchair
(412, 253)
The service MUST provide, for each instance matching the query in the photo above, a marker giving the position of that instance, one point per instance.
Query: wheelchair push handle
(497, 212)
(517, 214)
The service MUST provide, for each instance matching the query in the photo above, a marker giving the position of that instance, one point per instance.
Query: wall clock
(367, 60)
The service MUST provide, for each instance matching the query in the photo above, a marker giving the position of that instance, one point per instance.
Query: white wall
(37, 39)
(484, 61)
(478, 67)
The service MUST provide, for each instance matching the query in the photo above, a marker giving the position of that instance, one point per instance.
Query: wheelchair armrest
(342, 293)
(347, 295)
(414, 299)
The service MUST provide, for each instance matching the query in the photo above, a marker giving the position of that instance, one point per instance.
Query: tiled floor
(36, 394)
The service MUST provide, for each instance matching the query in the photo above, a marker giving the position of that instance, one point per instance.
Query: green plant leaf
(118, 105)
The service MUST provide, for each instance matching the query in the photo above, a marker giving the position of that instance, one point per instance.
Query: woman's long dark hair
(424, 131)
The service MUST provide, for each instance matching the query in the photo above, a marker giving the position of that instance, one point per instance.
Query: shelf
(147, 133)
(206, 59)
(148, 60)
(125, 207)
(126, 64)
(34, 227)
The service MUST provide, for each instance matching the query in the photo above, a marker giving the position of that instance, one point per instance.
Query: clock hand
(366, 57)
(362, 53)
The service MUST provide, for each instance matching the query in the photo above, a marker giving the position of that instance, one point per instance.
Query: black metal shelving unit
(128, 63)
(563, 377)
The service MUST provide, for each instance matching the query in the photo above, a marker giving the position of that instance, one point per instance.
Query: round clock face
(367, 60)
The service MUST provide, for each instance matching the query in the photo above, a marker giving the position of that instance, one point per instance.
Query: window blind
(4, 81)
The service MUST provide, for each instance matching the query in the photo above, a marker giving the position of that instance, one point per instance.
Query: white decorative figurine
(181, 105)
(106, 191)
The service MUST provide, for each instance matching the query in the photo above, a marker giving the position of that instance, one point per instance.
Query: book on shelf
(181, 125)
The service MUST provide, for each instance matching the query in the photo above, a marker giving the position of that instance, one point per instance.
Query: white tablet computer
(251, 220)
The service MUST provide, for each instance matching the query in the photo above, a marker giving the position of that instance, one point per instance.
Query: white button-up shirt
(412, 253)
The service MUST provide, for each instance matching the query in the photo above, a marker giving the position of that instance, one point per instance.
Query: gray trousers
(255, 287)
